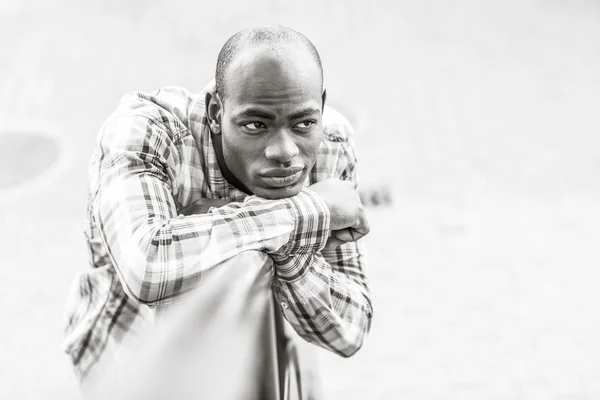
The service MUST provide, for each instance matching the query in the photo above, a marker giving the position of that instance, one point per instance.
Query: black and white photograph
(312, 200)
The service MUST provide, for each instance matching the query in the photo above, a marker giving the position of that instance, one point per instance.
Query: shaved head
(274, 39)
(266, 115)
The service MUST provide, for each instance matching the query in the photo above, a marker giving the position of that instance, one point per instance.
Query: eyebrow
(304, 113)
(255, 112)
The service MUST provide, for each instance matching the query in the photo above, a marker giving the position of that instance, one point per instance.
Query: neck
(227, 174)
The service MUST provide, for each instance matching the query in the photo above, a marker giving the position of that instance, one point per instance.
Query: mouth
(282, 177)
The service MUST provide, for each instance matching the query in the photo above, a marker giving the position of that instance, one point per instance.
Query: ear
(323, 99)
(214, 111)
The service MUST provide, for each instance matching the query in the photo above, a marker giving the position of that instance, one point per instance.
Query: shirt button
(284, 305)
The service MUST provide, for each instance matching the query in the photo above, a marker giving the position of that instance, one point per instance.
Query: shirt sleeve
(158, 255)
(327, 299)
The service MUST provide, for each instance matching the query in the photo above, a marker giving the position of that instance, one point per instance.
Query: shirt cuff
(310, 234)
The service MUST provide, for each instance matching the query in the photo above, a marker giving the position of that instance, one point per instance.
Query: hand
(348, 221)
(338, 238)
(201, 206)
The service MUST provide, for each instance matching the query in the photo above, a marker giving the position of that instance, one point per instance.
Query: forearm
(160, 259)
(326, 306)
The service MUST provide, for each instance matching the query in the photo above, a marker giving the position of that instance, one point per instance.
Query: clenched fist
(348, 220)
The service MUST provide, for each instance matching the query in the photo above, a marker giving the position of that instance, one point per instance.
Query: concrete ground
(481, 117)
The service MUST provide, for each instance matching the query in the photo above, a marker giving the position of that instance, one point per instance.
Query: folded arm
(329, 304)
(159, 255)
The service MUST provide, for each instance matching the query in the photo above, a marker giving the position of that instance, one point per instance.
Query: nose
(281, 147)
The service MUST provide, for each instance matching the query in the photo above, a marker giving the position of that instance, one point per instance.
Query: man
(180, 184)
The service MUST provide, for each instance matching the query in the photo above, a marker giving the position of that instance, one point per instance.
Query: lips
(281, 172)
(282, 177)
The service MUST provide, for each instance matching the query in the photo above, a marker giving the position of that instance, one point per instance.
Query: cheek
(309, 145)
(240, 155)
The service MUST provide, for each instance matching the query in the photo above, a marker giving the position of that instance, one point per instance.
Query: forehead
(274, 78)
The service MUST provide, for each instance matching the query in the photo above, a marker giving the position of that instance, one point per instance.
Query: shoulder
(336, 127)
(169, 108)
(336, 157)
(169, 113)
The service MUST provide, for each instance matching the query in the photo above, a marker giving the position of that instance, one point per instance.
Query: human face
(271, 123)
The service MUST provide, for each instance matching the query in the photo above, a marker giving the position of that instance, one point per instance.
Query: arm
(324, 294)
(158, 255)
(330, 303)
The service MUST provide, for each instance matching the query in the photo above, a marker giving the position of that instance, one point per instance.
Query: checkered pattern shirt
(154, 156)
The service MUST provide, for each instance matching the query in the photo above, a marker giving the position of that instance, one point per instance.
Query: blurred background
(481, 117)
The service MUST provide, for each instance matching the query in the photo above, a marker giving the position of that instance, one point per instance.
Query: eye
(254, 126)
(305, 126)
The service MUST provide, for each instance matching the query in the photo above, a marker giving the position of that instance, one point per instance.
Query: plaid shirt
(155, 156)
